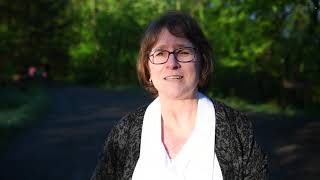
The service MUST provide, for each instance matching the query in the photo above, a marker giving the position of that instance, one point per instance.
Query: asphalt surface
(292, 144)
(65, 143)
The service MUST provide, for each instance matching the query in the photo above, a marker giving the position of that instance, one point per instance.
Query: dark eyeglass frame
(174, 52)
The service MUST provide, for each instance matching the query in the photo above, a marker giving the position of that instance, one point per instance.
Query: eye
(185, 52)
(159, 53)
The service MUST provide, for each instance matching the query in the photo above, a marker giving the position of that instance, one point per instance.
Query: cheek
(154, 73)
(154, 69)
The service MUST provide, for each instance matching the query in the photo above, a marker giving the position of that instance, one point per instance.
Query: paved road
(293, 146)
(65, 144)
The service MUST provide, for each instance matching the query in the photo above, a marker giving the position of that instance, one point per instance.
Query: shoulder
(128, 125)
(231, 116)
(133, 118)
(121, 147)
(233, 124)
(236, 144)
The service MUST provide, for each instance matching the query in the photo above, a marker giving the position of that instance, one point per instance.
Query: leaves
(98, 40)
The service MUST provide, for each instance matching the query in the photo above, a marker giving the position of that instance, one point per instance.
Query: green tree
(32, 33)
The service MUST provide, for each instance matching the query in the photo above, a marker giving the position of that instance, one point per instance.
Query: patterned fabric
(239, 155)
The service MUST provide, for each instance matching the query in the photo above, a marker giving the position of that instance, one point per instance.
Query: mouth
(173, 77)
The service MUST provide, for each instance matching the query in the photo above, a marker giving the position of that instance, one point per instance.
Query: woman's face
(174, 79)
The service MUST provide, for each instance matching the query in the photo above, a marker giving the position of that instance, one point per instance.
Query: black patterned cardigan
(239, 156)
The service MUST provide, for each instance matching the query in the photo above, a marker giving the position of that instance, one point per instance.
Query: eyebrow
(162, 47)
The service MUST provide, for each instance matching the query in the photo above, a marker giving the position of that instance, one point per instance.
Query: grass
(270, 108)
(266, 108)
(19, 109)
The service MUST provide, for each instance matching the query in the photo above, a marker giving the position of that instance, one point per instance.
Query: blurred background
(266, 58)
(265, 52)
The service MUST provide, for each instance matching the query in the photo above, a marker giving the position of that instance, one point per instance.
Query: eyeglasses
(184, 55)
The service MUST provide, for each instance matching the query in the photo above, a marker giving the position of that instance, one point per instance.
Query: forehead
(167, 40)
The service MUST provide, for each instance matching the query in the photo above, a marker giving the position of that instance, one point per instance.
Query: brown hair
(180, 25)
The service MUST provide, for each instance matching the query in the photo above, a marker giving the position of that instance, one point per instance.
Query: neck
(179, 113)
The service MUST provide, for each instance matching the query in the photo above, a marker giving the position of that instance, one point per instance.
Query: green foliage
(33, 33)
(264, 50)
(268, 41)
(271, 108)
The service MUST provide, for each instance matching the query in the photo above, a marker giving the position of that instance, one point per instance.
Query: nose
(172, 63)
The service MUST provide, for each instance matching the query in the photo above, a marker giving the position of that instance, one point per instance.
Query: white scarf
(196, 160)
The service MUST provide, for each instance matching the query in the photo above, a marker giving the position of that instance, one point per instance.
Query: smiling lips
(172, 77)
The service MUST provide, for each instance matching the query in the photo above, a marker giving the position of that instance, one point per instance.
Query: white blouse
(196, 160)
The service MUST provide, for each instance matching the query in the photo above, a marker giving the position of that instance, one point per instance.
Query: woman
(182, 134)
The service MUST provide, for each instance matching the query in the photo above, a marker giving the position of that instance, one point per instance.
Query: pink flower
(32, 71)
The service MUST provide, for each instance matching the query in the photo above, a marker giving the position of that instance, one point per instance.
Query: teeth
(173, 77)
